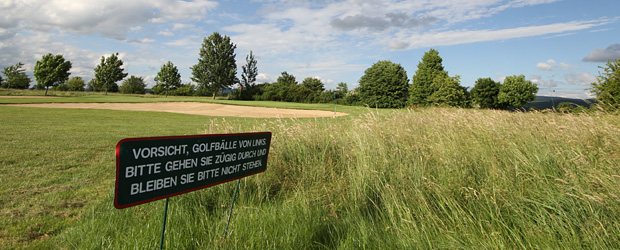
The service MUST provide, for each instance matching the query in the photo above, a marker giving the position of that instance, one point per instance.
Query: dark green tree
(51, 71)
(93, 85)
(607, 87)
(185, 90)
(313, 84)
(384, 85)
(565, 107)
(485, 93)
(133, 85)
(286, 89)
(341, 90)
(286, 79)
(516, 92)
(250, 71)
(342, 87)
(108, 72)
(15, 77)
(216, 68)
(168, 78)
(428, 69)
(449, 92)
(75, 84)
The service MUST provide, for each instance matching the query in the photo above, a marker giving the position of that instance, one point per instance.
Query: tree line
(384, 85)
(215, 71)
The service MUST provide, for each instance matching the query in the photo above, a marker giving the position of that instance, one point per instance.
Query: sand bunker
(27, 96)
(194, 108)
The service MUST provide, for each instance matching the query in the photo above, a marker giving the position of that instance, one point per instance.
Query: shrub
(384, 85)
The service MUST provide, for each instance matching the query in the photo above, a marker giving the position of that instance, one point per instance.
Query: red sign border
(118, 148)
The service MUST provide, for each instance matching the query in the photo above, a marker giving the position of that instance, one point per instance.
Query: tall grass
(430, 178)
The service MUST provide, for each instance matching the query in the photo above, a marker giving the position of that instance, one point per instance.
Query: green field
(395, 179)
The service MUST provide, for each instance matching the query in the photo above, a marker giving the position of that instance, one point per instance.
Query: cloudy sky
(558, 44)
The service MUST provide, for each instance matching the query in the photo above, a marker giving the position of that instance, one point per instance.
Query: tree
(448, 91)
(428, 69)
(287, 79)
(313, 84)
(108, 72)
(384, 85)
(485, 93)
(607, 87)
(342, 87)
(51, 71)
(516, 92)
(75, 84)
(341, 90)
(286, 89)
(15, 77)
(565, 107)
(216, 68)
(185, 90)
(93, 85)
(250, 71)
(168, 77)
(133, 85)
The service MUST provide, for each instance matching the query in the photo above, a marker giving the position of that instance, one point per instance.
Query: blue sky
(558, 44)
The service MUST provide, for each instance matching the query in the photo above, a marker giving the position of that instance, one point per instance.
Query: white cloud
(142, 40)
(544, 66)
(188, 42)
(537, 79)
(111, 18)
(603, 55)
(552, 65)
(166, 33)
(392, 19)
(170, 10)
(464, 36)
(31, 47)
(262, 78)
(180, 26)
(583, 78)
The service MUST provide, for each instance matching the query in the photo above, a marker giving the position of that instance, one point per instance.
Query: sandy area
(27, 96)
(194, 108)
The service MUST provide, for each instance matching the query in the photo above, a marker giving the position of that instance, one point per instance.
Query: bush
(384, 85)
(185, 90)
(353, 98)
(516, 92)
(253, 92)
(60, 87)
(76, 84)
(607, 87)
(133, 85)
(447, 91)
(565, 107)
(485, 93)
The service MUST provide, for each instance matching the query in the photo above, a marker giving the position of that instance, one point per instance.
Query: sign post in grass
(154, 168)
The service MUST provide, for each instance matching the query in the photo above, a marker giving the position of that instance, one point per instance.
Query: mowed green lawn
(395, 179)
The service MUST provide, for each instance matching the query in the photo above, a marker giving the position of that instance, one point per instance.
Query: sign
(153, 168)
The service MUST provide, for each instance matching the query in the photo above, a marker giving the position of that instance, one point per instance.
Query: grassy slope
(432, 178)
(548, 102)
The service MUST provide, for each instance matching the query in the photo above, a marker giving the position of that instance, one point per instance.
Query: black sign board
(153, 168)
